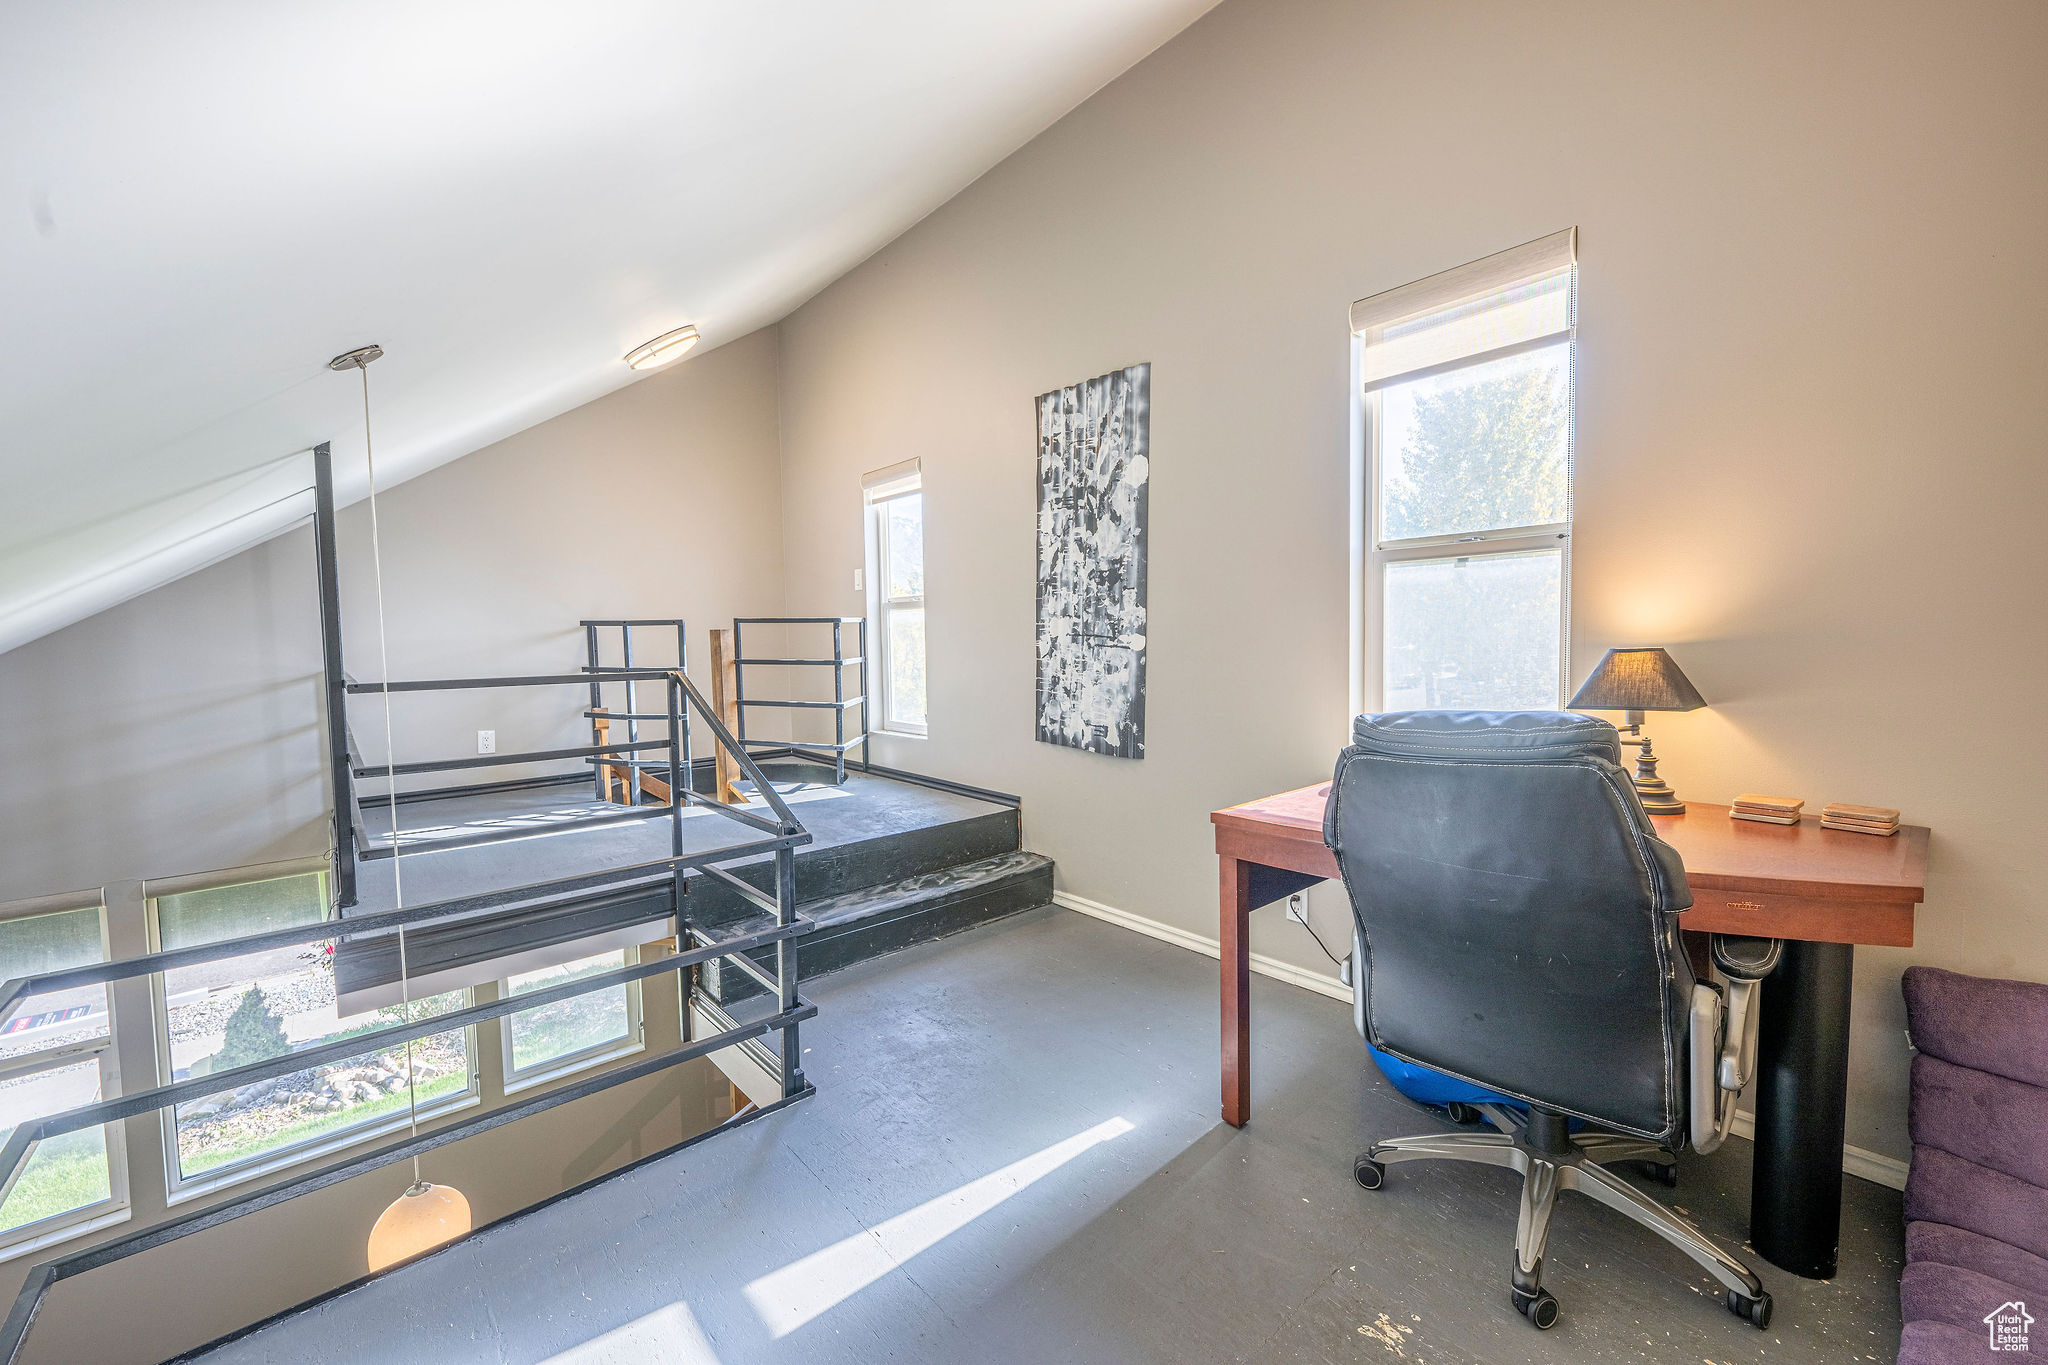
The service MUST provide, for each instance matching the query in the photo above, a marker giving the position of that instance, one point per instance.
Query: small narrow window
(1467, 395)
(579, 1031)
(895, 537)
(55, 1055)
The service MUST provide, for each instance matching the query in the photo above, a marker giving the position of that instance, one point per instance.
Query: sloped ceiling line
(203, 205)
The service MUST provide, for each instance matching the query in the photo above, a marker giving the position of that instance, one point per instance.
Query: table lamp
(1634, 681)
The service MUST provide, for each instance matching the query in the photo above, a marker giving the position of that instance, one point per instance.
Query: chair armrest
(1724, 1031)
(1710, 1109)
(1745, 962)
(1738, 1051)
(1745, 959)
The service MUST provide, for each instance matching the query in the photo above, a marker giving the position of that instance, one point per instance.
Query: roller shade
(1510, 301)
(187, 919)
(882, 484)
(34, 944)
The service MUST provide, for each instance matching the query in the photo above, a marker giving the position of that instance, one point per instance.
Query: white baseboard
(1875, 1167)
(1856, 1161)
(1207, 947)
(1860, 1162)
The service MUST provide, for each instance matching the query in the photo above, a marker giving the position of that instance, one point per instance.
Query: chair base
(1551, 1159)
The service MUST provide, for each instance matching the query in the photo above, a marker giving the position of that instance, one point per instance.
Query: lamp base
(1659, 799)
(1653, 791)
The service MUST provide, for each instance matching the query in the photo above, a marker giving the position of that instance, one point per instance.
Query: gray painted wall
(179, 732)
(1828, 522)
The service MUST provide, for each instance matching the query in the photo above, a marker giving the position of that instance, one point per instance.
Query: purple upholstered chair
(1977, 1198)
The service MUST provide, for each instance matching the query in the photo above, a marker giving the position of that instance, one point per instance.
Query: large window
(56, 1054)
(219, 1015)
(895, 536)
(1466, 386)
(579, 1031)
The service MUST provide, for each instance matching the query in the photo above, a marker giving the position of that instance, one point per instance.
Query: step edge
(1031, 865)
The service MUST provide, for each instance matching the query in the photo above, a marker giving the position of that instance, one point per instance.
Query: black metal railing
(625, 671)
(777, 834)
(780, 837)
(350, 846)
(840, 704)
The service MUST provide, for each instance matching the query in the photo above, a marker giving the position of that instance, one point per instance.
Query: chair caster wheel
(1755, 1311)
(1540, 1308)
(1369, 1174)
(1665, 1173)
(1462, 1114)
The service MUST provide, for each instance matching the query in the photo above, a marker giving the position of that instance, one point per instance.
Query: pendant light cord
(412, 1093)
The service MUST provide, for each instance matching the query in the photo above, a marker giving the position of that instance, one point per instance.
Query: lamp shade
(419, 1220)
(1642, 679)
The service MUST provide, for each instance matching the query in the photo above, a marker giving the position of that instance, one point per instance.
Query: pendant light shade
(422, 1218)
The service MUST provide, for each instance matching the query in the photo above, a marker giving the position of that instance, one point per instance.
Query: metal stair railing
(625, 671)
(840, 704)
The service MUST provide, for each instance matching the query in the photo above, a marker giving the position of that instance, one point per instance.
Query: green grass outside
(70, 1171)
(546, 1032)
(540, 1036)
(320, 1125)
(67, 1172)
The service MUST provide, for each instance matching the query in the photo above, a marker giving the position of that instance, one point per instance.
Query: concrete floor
(1015, 1156)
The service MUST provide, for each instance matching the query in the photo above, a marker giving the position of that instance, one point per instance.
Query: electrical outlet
(858, 581)
(487, 741)
(1297, 907)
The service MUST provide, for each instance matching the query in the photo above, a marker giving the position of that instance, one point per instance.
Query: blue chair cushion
(1425, 1086)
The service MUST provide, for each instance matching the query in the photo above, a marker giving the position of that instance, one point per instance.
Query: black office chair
(1518, 928)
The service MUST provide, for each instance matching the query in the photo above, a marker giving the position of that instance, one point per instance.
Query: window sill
(533, 1079)
(210, 1183)
(884, 732)
(65, 1232)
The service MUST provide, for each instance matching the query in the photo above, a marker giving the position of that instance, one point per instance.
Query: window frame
(1373, 551)
(518, 1078)
(179, 1187)
(879, 491)
(116, 1207)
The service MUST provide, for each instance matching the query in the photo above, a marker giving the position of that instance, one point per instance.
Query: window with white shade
(895, 539)
(1465, 382)
(56, 1055)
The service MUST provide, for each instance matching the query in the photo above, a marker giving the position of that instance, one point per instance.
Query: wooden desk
(1821, 890)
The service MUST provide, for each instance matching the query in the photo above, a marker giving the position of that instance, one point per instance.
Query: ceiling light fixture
(664, 348)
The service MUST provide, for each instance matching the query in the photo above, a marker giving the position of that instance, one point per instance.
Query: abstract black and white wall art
(1094, 469)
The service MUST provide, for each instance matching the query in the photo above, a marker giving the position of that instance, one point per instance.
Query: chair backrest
(1518, 912)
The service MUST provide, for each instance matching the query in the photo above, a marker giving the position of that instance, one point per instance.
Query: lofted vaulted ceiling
(201, 203)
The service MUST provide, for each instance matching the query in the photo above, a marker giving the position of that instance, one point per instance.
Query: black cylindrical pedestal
(1802, 1088)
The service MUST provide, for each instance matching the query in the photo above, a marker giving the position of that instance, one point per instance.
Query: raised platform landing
(890, 862)
(865, 809)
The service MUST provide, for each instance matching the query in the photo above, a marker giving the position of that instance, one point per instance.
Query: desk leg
(1234, 913)
(1802, 1088)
